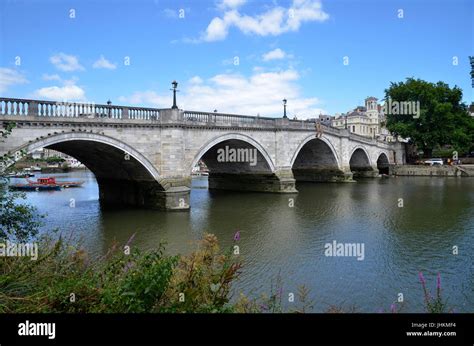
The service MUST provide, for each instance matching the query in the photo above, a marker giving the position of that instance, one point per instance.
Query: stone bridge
(145, 156)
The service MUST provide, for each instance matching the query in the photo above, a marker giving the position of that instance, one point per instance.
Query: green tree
(18, 221)
(443, 118)
(55, 159)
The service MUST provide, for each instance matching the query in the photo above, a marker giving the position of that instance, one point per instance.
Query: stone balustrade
(37, 108)
(226, 119)
(208, 118)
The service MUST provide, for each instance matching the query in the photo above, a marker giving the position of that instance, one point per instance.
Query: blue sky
(241, 56)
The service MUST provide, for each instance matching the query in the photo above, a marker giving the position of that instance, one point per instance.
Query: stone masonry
(144, 156)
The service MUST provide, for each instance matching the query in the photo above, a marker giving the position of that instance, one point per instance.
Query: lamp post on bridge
(175, 86)
(108, 104)
(284, 109)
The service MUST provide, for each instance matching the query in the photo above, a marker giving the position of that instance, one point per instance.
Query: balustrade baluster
(125, 113)
(32, 108)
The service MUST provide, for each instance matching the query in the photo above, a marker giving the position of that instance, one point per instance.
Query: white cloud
(50, 77)
(274, 55)
(63, 93)
(69, 91)
(147, 98)
(66, 63)
(217, 30)
(225, 4)
(102, 62)
(273, 22)
(196, 80)
(10, 77)
(261, 93)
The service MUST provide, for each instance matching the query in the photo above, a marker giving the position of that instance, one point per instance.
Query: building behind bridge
(368, 121)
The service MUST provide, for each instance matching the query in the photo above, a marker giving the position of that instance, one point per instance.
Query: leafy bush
(64, 279)
(136, 282)
(201, 282)
(18, 221)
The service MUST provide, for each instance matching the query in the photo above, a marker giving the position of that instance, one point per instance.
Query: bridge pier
(365, 172)
(144, 194)
(280, 182)
(174, 199)
(319, 174)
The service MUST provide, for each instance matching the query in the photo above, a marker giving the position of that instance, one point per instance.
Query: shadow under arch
(360, 164)
(124, 176)
(239, 163)
(229, 137)
(383, 164)
(316, 160)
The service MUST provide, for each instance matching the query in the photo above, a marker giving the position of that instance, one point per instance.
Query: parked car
(434, 162)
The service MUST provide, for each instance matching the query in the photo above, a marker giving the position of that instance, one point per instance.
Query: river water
(286, 241)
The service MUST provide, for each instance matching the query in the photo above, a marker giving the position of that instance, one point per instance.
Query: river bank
(433, 171)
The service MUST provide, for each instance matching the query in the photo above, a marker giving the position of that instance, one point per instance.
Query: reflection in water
(280, 240)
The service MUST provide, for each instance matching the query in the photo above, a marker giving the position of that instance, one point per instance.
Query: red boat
(48, 183)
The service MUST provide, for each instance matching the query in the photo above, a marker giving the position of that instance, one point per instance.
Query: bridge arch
(313, 138)
(360, 163)
(236, 137)
(361, 153)
(317, 160)
(57, 139)
(383, 163)
(250, 169)
(124, 175)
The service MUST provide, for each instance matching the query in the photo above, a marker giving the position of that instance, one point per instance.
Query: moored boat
(35, 187)
(21, 175)
(47, 183)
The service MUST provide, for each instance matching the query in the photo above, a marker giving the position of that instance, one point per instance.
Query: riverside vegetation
(64, 279)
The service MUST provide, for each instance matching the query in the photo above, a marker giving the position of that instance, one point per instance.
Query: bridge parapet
(25, 107)
(359, 138)
(213, 118)
(196, 117)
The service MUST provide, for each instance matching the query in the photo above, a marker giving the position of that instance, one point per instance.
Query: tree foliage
(18, 221)
(55, 159)
(443, 118)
